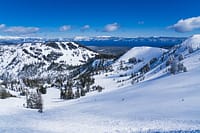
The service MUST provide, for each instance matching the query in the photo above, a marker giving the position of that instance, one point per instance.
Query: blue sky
(126, 18)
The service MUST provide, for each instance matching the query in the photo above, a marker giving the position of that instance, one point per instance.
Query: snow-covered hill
(144, 63)
(161, 102)
(193, 42)
(133, 64)
(137, 57)
(168, 104)
(42, 57)
(179, 54)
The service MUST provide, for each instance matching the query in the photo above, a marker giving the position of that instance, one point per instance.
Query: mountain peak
(196, 36)
(24, 56)
(193, 42)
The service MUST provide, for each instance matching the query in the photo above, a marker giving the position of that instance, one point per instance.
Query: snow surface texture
(163, 103)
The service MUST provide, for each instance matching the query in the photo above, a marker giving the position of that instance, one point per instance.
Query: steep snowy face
(193, 42)
(68, 52)
(143, 53)
(43, 56)
(179, 54)
(137, 58)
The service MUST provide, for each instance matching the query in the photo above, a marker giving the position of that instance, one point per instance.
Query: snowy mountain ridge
(16, 58)
(144, 63)
(146, 90)
(193, 42)
(143, 52)
(136, 59)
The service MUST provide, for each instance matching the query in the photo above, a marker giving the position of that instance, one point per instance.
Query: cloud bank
(186, 25)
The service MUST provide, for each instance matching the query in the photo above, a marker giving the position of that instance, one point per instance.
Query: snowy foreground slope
(166, 104)
(163, 102)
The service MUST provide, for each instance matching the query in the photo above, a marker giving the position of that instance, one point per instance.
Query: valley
(147, 89)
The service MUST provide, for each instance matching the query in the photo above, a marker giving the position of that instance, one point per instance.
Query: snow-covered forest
(59, 87)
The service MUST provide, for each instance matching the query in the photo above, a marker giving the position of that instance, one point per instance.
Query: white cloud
(111, 27)
(186, 25)
(65, 27)
(85, 27)
(21, 30)
(2, 26)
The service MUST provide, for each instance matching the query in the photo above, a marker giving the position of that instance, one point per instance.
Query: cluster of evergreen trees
(76, 88)
(176, 65)
(33, 89)
(34, 100)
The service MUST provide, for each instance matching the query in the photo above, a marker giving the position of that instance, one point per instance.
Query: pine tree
(40, 104)
(121, 66)
(174, 67)
(180, 67)
(82, 92)
(62, 94)
(34, 100)
(184, 69)
(190, 50)
(99, 88)
(180, 57)
(77, 93)
(70, 94)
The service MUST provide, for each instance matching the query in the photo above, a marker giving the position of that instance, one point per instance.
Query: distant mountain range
(102, 41)
(130, 42)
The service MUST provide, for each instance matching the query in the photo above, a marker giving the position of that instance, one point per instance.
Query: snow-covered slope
(165, 104)
(162, 102)
(178, 53)
(143, 53)
(193, 42)
(135, 61)
(148, 63)
(16, 58)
